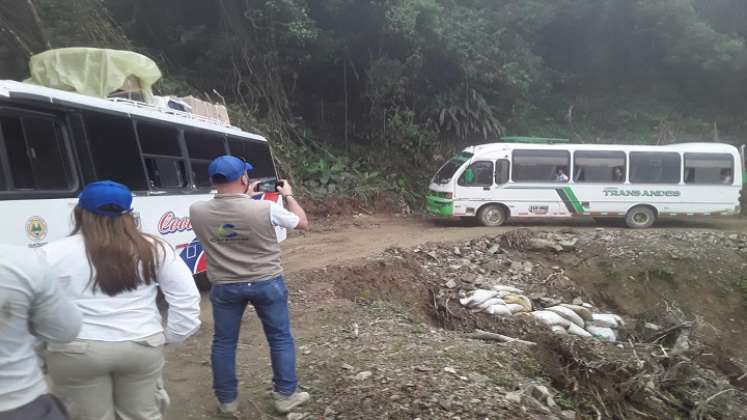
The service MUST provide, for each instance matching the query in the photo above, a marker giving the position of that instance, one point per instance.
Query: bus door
(475, 184)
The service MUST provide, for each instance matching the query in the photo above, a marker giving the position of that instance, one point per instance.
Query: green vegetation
(361, 96)
(743, 287)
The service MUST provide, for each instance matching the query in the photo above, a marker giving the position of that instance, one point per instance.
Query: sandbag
(516, 308)
(505, 288)
(557, 329)
(550, 318)
(568, 314)
(519, 299)
(490, 302)
(584, 313)
(498, 310)
(606, 321)
(604, 334)
(477, 297)
(576, 330)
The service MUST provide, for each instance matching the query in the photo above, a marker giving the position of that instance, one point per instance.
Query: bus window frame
(78, 150)
(690, 155)
(81, 146)
(492, 175)
(569, 166)
(187, 188)
(681, 179)
(73, 174)
(230, 138)
(192, 182)
(626, 162)
(495, 171)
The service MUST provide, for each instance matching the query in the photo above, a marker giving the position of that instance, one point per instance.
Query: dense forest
(360, 95)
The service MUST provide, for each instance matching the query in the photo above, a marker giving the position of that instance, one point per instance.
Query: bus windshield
(447, 171)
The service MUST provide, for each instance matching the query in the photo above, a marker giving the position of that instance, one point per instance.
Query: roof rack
(171, 111)
(534, 140)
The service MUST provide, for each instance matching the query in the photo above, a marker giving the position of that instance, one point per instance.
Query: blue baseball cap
(106, 193)
(228, 168)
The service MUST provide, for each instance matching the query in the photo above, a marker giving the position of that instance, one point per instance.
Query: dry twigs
(700, 409)
(489, 336)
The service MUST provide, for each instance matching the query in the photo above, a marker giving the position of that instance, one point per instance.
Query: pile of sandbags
(563, 318)
(501, 301)
(579, 320)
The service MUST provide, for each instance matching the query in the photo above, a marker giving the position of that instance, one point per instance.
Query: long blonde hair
(121, 257)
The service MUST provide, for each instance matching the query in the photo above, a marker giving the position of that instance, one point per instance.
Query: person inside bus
(33, 308)
(561, 174)
(618, 174)
(243, 266)
(726, 177)
(113, 272)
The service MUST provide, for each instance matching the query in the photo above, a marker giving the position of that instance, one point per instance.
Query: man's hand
(251, 189)
(284, 187)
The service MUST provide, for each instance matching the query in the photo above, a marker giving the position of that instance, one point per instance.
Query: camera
(267, 185)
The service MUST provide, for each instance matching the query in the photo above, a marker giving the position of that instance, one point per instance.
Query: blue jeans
(270, 300)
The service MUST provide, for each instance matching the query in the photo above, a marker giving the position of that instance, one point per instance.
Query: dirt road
(367, 235)
(317, 314)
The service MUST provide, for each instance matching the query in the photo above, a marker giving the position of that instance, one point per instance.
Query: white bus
(494, 182)
(54, 142)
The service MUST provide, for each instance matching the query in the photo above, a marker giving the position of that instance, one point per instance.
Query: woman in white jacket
(112, 272)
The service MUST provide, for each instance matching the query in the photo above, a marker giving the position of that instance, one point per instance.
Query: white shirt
(31, 307)
(129, 315)
(281, 217)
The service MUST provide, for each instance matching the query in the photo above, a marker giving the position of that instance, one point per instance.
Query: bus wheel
(640, 217)
(492, 215)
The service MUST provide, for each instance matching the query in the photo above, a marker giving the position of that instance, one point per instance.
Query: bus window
(709, 168)
(114, 150)
(599, 166)
(450, 167)
(655, 167)
(36, 155)
(162, 155)
(502, 168)
(541, 165)
(255, 152)
(202, 149)
(478, 174)
(77, 130)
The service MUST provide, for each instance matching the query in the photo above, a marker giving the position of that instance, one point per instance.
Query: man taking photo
(243, 266)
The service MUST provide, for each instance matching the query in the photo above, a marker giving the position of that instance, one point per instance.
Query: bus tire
(640, 217)
(492, 215)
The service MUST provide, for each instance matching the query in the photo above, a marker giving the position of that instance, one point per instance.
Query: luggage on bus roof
(94, 71)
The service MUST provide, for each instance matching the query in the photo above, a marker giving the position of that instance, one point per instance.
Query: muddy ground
(374, 339)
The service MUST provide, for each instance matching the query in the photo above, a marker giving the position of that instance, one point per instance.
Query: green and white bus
(555, 179)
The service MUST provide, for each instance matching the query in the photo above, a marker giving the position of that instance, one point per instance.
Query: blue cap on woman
(106, 198)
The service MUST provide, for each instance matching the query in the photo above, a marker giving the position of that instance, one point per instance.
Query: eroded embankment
(680, 355)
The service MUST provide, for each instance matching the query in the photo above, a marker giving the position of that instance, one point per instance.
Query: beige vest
(237, 234)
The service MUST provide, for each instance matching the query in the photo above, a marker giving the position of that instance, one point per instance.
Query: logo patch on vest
(226, 232)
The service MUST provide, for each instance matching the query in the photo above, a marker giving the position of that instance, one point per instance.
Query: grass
(743, 286)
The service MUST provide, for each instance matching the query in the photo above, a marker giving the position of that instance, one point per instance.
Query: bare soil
(360, 308)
